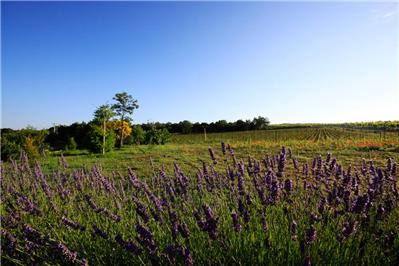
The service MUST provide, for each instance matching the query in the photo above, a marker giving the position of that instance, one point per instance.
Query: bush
(137, 136)
(71, 145)
(31, 140)
(157, 136)
(96, 139)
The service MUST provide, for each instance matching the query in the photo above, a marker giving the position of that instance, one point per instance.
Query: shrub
(137, 136)
(71, 145)
(96, 139)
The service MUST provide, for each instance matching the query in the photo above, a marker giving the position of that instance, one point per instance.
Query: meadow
(297, 196)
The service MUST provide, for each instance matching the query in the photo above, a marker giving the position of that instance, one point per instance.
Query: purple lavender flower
(141, 209)
(72, 224)
(211, 221)
(314, 217)
(146, 238)
(33, 235)
(307, 261)
(184, 231)
(281, 163)
(63, 252)
(212, 154)
(223, 148)
(288, 186)
(294, 229)
(349, 228)
(97, 231)
(265, 226)
(322, 205)
(29, 246)
(240, 184)
(311, 235)
(236, 222)
(9, 241)
(91, 203)
(128, 245)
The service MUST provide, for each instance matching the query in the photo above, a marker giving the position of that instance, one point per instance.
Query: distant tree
(138, 135)
(115, 125)
(102, 115)
(124, 107)
(260, 122)
(241, 125)
(186, 127)
(95, 136)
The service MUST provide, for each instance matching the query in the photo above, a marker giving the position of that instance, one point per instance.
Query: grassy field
(206, 213)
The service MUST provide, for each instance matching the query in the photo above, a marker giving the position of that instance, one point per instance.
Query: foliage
(138, 135)
(124, 107)
(59, 136)
(157, 136)
(71, 145)
(115, 125)
(31, 140)
(96, 140)
(103, 114)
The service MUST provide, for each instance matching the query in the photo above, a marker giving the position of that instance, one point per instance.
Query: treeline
(87, 136)
(187, 127)
(379, 125)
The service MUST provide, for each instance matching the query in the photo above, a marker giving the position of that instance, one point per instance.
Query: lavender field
(274, 209)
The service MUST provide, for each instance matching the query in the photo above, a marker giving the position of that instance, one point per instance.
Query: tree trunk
(121, 134)
(104, 137)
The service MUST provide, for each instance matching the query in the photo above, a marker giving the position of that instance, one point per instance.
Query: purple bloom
(288, 186)
(97, 231)
(184, 231)
(146, 238)
(307, 261)
(311, 235)
(9, 241)
(63, 252)
(294, 229)
(236, 222)
(223, 148)
(70, 223)
(281, 163)
(211, 222)
(349, 228)
(212, 154)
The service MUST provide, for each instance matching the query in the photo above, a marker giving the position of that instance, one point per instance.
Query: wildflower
(146, 238)
(223, 148)
(265, 226)
(310, 235)
(184, 231)
(70, 223)
(97, 231)
(236, 222)
(63, 252)
(293, 228)
(307, 261)
(288, 186)
(211, 221)
(212, 154)
(9, 241)
(349, 228)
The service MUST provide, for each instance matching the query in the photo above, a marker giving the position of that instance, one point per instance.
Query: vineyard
(248, 202)
(310, 134)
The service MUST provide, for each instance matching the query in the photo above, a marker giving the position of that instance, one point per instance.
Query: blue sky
(292, 62)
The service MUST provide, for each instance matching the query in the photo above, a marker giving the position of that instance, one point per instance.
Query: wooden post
(205, 133)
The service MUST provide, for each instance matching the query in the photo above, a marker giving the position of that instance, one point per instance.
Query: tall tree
(124, 107)
(102, 115)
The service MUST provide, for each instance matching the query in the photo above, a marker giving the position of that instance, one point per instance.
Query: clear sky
(291, 62)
